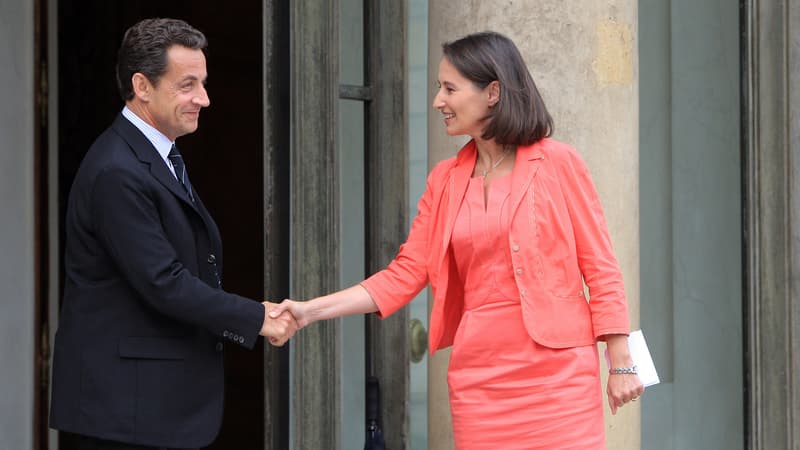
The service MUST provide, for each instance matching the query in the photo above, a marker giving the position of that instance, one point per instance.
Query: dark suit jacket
(138, 352)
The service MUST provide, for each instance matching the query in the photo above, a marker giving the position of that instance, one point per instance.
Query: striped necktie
(180, 170)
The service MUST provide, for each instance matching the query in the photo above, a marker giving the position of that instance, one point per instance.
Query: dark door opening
(225, 156)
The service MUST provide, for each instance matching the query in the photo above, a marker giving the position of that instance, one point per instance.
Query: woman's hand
(353, 300)
(300, 311)
(277, 328)
(622, 387)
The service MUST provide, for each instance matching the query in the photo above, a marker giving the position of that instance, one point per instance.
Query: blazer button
(226, 333)
(212, 259)
(241, 339)
(219, 346)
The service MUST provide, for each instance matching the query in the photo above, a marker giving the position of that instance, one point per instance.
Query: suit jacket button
(212, 259)
(219, 346)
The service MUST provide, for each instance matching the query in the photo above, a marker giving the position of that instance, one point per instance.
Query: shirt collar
(162, 143)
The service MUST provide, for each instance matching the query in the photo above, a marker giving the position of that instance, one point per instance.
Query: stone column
(17, 236)
(583, 57)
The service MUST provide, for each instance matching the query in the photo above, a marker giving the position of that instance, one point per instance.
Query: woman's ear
(493, 91)
(141, 86)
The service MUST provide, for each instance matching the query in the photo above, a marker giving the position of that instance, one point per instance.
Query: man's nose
(202, 97)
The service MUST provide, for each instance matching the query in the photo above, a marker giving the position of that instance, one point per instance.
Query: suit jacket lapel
(458, 179)
(211, 226)
(526, 165)
(145, 151)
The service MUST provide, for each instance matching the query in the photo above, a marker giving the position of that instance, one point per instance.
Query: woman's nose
(437, 101)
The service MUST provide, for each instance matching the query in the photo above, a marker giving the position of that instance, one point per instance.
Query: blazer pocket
(151, 348)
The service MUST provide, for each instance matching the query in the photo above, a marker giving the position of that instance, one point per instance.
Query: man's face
(175, 102)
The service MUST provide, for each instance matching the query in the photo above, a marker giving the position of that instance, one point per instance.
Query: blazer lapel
(146, 153)
(458, 179)
(211, 226)
(161, 172)
(525, 167)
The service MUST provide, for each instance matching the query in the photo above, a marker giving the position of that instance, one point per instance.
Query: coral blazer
(558, 239)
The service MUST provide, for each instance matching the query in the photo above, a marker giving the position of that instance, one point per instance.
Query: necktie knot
(180, 169)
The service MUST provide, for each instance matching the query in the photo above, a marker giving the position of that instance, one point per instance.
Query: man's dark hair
(144, 50)
(520, 116)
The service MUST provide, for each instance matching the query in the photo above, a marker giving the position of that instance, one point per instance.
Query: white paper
(641, 357)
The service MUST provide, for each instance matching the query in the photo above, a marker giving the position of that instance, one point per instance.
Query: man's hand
(277, 328)
(298, 310)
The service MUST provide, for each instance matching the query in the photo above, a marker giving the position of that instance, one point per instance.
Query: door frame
(315, 212)
(771, 221)
(275, 223)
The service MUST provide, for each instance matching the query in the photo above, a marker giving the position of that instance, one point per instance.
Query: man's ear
(493, 90)
(142, 88)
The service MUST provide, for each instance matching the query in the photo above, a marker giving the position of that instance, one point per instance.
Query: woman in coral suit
(508, 231)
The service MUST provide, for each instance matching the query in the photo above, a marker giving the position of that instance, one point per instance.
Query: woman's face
(463, 104)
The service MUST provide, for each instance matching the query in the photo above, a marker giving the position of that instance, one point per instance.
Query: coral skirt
(507, 392)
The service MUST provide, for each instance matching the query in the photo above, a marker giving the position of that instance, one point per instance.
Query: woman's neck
(490, 156)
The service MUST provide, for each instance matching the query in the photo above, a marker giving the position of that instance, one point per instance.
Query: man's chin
(190, 128)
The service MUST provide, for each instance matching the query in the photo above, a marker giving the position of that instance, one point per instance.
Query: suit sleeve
(129, 226)
(398, 284)
(598, 265)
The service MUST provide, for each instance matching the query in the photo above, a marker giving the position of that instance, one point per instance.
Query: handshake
(281, 321)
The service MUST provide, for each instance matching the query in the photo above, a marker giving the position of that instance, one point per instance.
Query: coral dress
(506, 391)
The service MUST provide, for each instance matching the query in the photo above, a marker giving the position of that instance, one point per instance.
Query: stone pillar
(584, 60)
(17, 239)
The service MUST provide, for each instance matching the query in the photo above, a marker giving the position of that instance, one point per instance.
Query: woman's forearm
(618, 351)
(353, 300)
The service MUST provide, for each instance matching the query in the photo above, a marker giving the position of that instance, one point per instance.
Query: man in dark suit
(138, 353)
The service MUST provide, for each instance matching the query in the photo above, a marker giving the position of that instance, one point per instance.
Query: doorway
(225, 156)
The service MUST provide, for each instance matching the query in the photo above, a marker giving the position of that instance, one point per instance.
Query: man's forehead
(185, 63)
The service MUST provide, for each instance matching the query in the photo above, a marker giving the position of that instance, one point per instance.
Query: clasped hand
(281, 321)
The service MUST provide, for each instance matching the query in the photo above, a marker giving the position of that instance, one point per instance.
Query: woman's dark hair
(520, 116)
(144, 50)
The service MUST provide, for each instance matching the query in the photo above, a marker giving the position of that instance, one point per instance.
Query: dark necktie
(180, 170)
